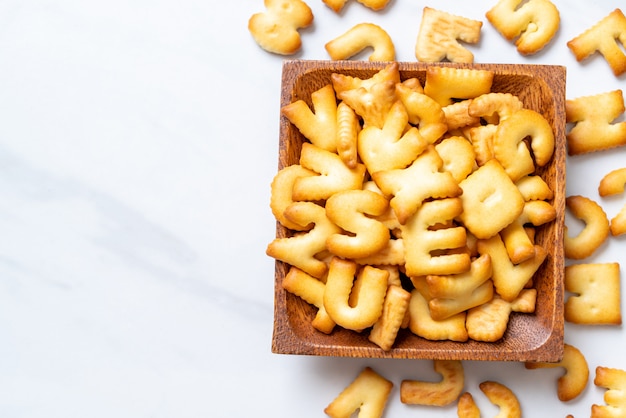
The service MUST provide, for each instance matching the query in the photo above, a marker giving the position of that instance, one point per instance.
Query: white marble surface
(137, 143)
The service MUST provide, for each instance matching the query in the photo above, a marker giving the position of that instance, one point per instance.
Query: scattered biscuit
(613, 183)
(593, 118)
(368, 393)
(594, 233)
(439, 35)
(276, 29)
(614, 380)
(501, 396)
(574, 380)
(444, 392)
(360, 37)
(603, 37)
(596, 295)
(532, 24)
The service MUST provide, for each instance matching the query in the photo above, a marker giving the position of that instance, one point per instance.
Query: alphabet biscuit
(534, 23)
(276, 29)
(603, 37)
(360, 37)
(367, 393)
(439, 34)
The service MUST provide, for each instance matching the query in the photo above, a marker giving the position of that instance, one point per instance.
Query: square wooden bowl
(529, 337)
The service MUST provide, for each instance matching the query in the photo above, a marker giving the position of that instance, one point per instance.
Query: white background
(138, 140)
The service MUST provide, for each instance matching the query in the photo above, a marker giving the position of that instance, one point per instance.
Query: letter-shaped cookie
(447, 84)
(300, 249)
(320, 127)
(457, 293)
(439, 34)
(349, 210)
(420, 241)
(491, 201)
(410, 186)
(510, 149)
(276, 29)
(594, 233)
(423, 325)
(334, 176)
(423, 112)
(311, 290)
(375, 5)
(371, 295)
(281, 194)
(508, 278)
(593, 118)
(359, 37)
(444, 392)
(614, 380)
(393, 146)
(368, 393)
(386, 329)
(597, 294)
(534, 24)
(603, 37)
(576, 375)
(488, 322)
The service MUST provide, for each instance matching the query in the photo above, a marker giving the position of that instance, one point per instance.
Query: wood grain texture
(529, 337)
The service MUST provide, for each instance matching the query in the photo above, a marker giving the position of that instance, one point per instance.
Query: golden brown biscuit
(596, 295)
(502, 397)
(375, 5)
(452, 294)
(593, 118)
(594, 233)
(408, 193)
(422, 324)
(427, 250)
(446, 84)
(613, 183)
(333, 175)
(534, 23)
(488, 322)
(574, 380)
(371, 295)
(348, 128)
(614, 380)
(508, 278)
(360, 37)
(311, 290)
(444, 392)
(439, 34)
(281, 194)
(423, 112)
(491, 201)
(509, 146)
(362, 236)
(276, 29)
(393, 146)
(320, 127)
(395, 307)
(603, 37)
(368, 393)
(300, 249)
